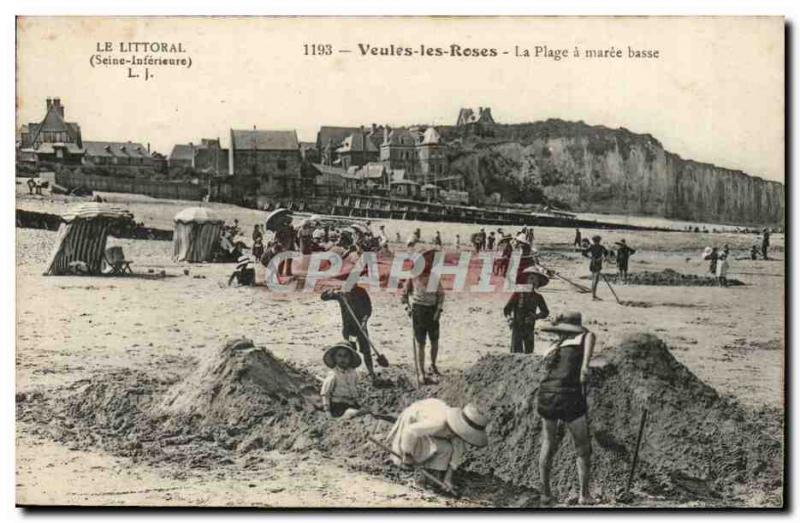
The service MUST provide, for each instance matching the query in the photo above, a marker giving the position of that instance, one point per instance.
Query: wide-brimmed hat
(621, 242)
(469, 424)
(536, 273)
(567, 323)
(522, 239)
(329, 358)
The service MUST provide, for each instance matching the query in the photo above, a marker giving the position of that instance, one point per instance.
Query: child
(596, 254)
(339, 389)
(623, 255)
(722, 267)
(355, 302)
(524, 308)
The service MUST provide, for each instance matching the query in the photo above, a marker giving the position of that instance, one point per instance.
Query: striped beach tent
(196, 235)
(82, 236)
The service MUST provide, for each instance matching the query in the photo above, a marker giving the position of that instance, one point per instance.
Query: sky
(715, 94)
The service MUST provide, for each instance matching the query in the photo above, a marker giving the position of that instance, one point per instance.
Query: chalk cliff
(596, 169)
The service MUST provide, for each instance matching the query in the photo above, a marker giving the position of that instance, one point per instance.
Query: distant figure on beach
(596, 254)
(458, 242)
(722, 266)
(712, 258)
(437, 240)
(764, 242)
(623, 255)
(577, 241)
(490, 241)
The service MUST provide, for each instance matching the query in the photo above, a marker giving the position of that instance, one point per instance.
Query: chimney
(49, 103)
(191, 146)
(58, 106)
(148, 147)
(386, 131)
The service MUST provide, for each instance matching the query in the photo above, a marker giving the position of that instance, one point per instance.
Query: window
(282, 164)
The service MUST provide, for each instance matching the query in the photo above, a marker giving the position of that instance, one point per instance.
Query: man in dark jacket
(623, 255)
(354, 325)
(523, 309)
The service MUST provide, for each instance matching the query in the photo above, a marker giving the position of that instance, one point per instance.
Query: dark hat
(621, 242)
(329, 358)
(567, 323)
(596, 238)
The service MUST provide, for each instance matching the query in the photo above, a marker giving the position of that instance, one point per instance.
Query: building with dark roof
(268, 160)
(356, 150)
(53, 138)
(116, 154)
(208, 156)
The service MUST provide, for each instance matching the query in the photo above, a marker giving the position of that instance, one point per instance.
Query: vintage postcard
(400, 262)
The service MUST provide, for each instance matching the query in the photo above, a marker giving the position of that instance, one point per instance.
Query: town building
(330, 138)
(208, 156)
(266, 162)
(116, 154)
(53, 139)
(399, 150)
(478, 122)
(356, 150)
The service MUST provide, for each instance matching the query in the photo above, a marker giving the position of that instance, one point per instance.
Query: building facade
(266, 162)
(53, 139)
(116, 154)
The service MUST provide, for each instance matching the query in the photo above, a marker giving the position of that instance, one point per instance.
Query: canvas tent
(196, 234)
(82, 237)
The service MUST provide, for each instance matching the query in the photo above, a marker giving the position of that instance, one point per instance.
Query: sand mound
(695, 446)
(240, 385)
(668, 277)
(241, 399)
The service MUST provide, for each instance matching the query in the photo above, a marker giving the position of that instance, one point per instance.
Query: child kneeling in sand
(339, 389)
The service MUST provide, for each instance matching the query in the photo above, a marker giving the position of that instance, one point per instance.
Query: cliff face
(595, 169)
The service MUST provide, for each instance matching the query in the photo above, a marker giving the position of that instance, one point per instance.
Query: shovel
(380, 359)
(610, 287)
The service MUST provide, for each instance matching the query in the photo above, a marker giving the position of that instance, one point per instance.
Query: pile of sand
(242, 399)
(696, 445)
(669, 277)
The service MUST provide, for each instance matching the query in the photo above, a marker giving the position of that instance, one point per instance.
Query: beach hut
(82, 237)
(197, 232)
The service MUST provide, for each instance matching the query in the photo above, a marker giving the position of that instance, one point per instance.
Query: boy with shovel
(424, 307)
(524, 308)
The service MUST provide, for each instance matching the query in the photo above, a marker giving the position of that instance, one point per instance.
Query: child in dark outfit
(562, 398)
(523, 309)
(360, 304)
(623, 255)
(596, 253)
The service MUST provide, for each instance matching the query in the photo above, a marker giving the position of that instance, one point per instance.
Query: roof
(116, 149)
(372, 170)
(54, 122)
(93, 210)
(431, 137)
(264, 140)
(50, 148)
(357, 142)
(401, 137)
(334, 135)
(197, 215)
(329, 169)
(182, 152)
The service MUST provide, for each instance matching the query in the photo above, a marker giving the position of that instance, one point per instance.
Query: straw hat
(621, 242)
(567, 323)
(469, 423)
(329, 358)
(537, 274)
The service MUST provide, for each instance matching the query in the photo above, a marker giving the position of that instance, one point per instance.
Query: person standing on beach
(623, 255)
(577, 241)
(490, 241)
(458, 242)
(596, 254)
(437, 240)
(562, 399)
(524, 308)
(764, 242)
(424, 307)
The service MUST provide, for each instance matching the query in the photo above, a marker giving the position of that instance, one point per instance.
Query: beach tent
(196, 234)
(82, 236)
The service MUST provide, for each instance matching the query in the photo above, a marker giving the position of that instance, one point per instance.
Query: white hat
(522, 239)
(469, 423)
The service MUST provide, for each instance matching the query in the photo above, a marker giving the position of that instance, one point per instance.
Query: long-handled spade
(610, 287)
(380, 359)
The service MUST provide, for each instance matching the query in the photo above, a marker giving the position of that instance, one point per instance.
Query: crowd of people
(431, 435)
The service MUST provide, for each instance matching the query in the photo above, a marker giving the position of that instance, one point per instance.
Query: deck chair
(115, 259)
